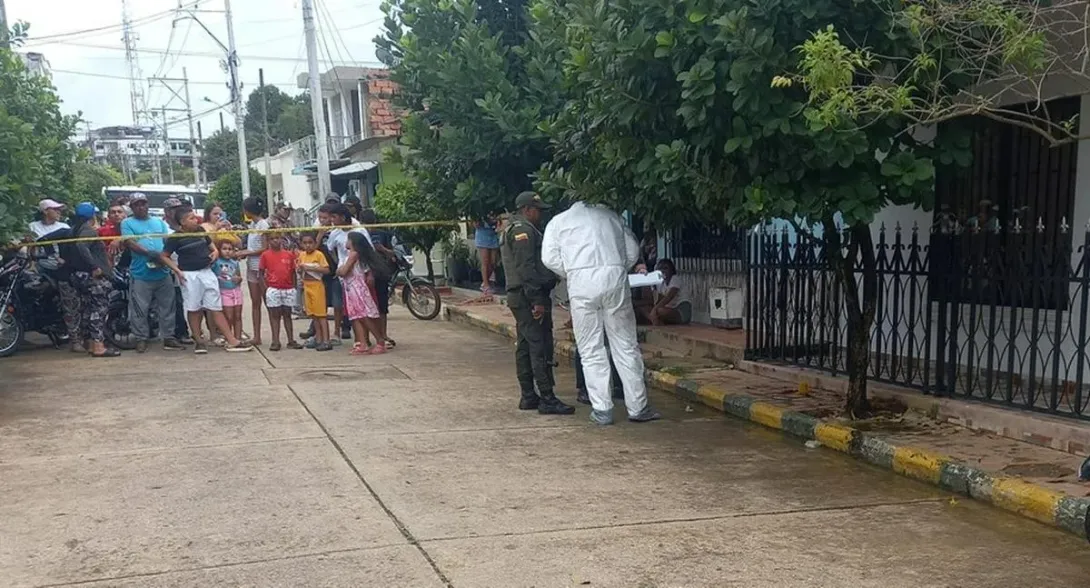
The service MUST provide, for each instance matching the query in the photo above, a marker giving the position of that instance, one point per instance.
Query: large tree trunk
(860, 308)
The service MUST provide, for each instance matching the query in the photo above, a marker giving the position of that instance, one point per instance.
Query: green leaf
(664, 39)
(733, 144)
(697, 16)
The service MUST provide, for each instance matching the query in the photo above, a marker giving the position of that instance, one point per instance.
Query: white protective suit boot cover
(601, 305)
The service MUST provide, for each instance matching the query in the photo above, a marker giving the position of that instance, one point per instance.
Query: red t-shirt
(109, 230)
(279, 268)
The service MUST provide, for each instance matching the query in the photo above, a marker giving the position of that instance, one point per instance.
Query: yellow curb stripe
(766, 414)
(834, 437)
(918, 464)
(1026, 499)
(665, 380)
(712, 396)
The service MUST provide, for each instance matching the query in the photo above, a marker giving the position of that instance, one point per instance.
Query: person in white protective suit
(590, 247)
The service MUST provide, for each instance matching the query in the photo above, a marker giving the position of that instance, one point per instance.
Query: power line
(91, 74)
(116, 27)
(213, 54)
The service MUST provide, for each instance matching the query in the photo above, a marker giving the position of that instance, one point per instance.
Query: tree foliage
(227, 192)
(400, 202)
(219, 154)
(90, 178)
(36, 156)
(289, 119)
(725, 111)
(471, 111)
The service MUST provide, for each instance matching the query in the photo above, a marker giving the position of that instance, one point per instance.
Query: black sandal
(390, 343)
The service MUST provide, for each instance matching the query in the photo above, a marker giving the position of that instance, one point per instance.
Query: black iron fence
(703, 248)
(997, 315)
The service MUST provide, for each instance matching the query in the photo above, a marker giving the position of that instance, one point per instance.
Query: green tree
(36, 156)
(471, 111)
(90, 178)
(219, 154)
(401, 202)
(735, 111)
(294, 123)
(227, 192)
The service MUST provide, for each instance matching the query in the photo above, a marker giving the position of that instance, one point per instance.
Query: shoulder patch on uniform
(522, 237)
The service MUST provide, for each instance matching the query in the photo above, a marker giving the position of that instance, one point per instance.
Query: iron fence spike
(1063, 225)
(1040, 225)
(1017, 228)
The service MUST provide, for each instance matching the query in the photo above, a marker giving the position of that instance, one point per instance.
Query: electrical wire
(211, 54)
(91, 74)
(93, 32)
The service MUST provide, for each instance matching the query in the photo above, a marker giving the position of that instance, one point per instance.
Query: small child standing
(278, 266)
(359, 297)
(229, 273)
(313, 266)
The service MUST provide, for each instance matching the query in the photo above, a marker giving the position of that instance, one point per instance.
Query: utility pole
(200, 141)
(236, 98)
(223, 129)
(3, 26)
(316, 110)
(166, 144)
(194, 157)
(265, 131)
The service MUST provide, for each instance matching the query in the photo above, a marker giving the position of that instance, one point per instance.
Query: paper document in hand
(643, 280)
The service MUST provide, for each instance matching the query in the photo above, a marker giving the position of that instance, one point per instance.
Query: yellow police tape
(217, 233)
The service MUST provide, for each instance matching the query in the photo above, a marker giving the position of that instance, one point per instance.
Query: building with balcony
(360, 122)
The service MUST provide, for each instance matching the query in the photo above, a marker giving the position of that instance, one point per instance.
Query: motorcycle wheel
(422, 299)
(117, 328)
(11, 334)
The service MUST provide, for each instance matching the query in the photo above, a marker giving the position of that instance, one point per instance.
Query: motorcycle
(29, 301)
(118, 330)
(418, 294)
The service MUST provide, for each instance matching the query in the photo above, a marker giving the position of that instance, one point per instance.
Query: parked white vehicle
(159, 193)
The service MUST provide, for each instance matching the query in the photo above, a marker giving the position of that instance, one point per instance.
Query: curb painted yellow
(664, 379)
(712, 396)
(918, 464)
(1026, 499)
(766, 414)
(834, 437)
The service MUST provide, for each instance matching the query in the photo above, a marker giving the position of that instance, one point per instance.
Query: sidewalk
(1035, 481)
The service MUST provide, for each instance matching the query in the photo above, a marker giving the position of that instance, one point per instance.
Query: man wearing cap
(529, 284)
(590, 247)
(151, 282)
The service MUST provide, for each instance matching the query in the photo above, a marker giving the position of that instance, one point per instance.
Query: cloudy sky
(82, 42)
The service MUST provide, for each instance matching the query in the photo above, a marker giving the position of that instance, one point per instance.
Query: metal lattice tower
(136, 89)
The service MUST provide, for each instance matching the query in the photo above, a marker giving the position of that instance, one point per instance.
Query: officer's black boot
(582, 396)
(550, 404)
(529, 401)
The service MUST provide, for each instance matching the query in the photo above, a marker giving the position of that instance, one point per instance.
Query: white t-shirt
(256, 241)
(676, 283)
(40, 229)
(338, 241)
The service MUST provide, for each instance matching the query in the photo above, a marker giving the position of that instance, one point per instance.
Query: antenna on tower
(136, 90)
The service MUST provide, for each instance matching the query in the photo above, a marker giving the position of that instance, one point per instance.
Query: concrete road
(415, 470)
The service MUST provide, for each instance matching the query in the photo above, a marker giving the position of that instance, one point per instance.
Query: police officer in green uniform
(529, 284)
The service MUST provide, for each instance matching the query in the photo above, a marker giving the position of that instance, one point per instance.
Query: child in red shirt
(278, 266)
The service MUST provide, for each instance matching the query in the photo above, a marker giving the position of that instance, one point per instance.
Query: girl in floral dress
(360, 304)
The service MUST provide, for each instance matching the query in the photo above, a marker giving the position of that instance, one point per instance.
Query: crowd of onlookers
(194, 281)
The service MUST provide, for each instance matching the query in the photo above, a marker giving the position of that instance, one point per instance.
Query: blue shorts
(485, 237)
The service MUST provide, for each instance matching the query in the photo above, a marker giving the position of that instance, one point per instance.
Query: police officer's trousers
(534, 350)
